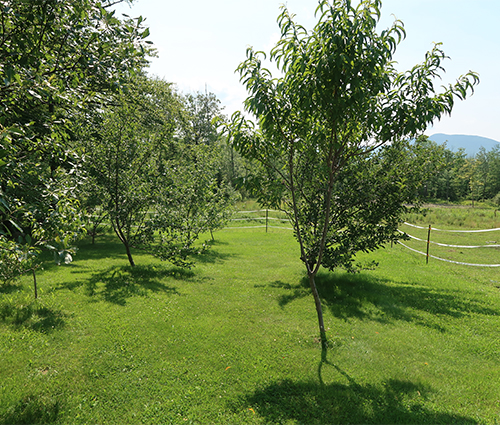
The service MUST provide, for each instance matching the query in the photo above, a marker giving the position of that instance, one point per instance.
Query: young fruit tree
(333, 130)
(159, 189)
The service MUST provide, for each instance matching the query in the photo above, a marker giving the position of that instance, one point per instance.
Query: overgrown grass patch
(457, 217)
(234, 340)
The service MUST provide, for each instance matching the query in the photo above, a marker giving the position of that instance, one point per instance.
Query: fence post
(428, 243)
(266, 218)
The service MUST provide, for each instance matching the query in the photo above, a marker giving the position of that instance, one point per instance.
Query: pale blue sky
(202, 42)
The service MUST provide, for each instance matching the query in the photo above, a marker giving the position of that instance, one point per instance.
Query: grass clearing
(234, 340)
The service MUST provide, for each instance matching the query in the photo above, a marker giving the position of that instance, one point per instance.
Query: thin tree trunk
(34, 282)
(124, 241)
(319, 311)
(129, 254)
(311, 269)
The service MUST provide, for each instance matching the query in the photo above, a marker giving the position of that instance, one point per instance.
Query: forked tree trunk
(319, 310)
(312, 268)
(124, 241)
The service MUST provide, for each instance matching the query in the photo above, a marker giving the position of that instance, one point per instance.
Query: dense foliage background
(86, 136)
(458, 177)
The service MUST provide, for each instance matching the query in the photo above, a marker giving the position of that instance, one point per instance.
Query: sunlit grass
(234, 340)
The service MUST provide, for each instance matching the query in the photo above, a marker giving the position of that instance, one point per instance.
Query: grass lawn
(234, 340)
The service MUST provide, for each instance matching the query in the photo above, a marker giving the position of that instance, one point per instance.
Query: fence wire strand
(453, 231)
(449, 261)
(449, 245)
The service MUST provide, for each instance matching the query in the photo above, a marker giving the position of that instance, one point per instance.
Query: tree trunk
(319, 311)
(34, 282)
(129, 254)
(124, 241)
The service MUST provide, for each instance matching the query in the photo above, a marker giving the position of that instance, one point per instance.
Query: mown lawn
(234, 340)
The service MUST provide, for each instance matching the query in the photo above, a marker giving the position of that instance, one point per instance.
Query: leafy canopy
(339, 97)
(57, 59)
(339, 83)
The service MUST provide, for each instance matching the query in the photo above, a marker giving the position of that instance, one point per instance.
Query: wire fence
(454, 231)
(279, 217)
(251, 216)
(430, 242)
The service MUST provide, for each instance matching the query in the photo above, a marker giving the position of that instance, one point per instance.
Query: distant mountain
(470, 144)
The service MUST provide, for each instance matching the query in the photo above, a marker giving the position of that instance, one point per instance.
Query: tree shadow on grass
(369, 298)
(117, 284)
(106, 246)
(212, 256)
(10, 287)
(31, 410)
(392, 402)
(311, 403)
(109, 247)
(31, 316)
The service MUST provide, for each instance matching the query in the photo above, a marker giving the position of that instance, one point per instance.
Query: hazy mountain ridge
(470, 144)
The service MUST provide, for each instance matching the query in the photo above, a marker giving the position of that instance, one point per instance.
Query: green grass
(234, 340)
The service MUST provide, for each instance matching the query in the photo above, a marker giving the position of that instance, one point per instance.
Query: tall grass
(452, 217)
(234, 340)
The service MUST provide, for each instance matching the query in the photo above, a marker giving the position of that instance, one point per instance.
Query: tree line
(457, 177)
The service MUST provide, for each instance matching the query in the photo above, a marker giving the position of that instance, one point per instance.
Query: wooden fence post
(428, 243)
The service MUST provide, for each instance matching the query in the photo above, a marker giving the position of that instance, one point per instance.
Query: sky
(200, 44)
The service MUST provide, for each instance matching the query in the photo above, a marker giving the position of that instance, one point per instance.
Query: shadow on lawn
(212, 256)
(9, 288)
(31, 316)
(108, 247)
(105, 246)
(117, 284)
(392, 402)
(366, 297)
(31, 410)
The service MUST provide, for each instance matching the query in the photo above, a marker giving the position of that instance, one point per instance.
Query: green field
(234, 340)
